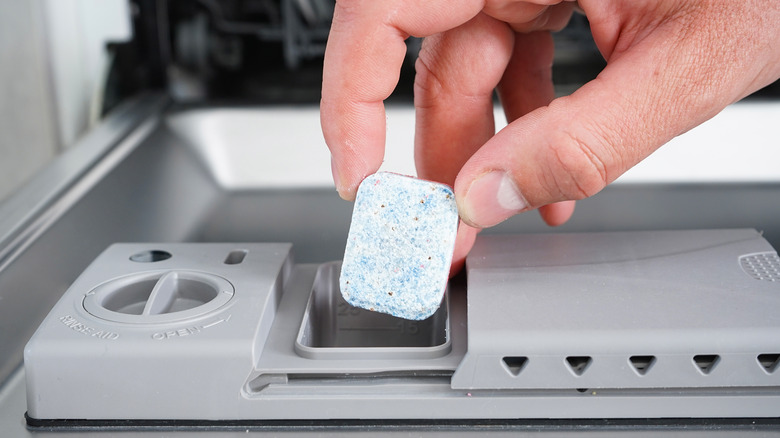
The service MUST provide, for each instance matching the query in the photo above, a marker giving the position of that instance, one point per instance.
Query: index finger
(363, 59)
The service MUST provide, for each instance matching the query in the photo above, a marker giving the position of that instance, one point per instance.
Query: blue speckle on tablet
(400, 245)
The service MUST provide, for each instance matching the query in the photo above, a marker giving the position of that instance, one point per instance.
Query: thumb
(550, 155)
(645, 96)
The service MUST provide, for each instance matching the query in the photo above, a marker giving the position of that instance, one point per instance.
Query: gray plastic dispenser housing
(600, 325)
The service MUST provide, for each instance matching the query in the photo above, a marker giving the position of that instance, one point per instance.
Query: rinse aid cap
(400, 244)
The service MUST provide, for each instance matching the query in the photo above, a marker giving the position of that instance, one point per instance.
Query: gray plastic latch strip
(659, 309)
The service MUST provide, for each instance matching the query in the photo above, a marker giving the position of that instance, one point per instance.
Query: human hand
(671, 65)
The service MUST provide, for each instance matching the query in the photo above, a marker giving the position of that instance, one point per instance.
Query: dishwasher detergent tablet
(400, 245)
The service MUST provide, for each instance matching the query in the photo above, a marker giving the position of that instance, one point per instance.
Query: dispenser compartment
(591, 325)
(333, 328)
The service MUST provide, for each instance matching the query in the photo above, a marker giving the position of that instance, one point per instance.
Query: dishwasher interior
(654, 302)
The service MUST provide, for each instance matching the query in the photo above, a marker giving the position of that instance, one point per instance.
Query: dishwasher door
(154, 171)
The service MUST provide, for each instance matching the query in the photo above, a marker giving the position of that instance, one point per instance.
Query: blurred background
(64, 64)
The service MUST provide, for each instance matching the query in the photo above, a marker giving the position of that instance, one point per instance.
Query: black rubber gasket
(662, 424)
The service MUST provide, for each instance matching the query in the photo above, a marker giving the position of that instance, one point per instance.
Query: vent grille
(769, 361)
(642, 364)
(515, 364)
(762, 266)
(578, 364)
(706, 362)
(637, 371)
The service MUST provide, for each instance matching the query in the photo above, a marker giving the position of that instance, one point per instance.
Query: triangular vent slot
(579, 364)
(706, 362)
(515, 364)
(770, 362)
(642, 364)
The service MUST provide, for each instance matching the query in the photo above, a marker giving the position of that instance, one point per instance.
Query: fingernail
(491, 199)
(334, 169)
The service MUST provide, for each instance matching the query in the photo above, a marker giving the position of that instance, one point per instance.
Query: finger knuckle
(580, 172)
(427, 84)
